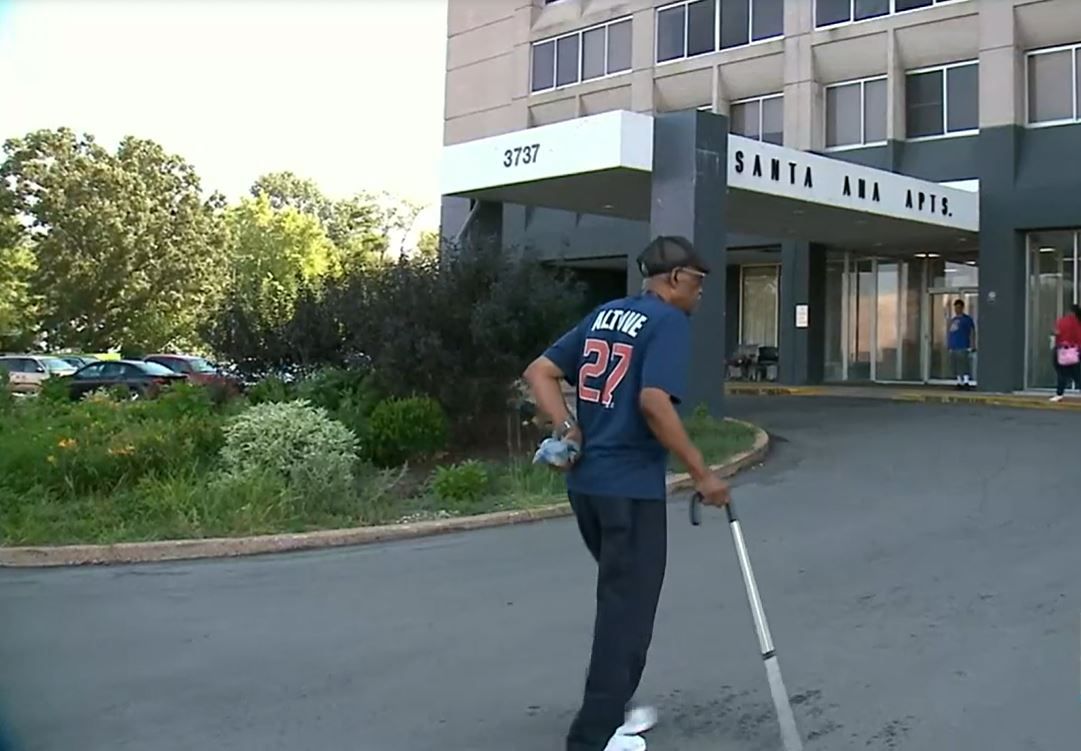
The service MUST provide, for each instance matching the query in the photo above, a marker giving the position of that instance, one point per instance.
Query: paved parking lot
(919, 565)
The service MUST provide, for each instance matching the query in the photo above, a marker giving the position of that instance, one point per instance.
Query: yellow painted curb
(228, 547)
(751, 389)
(990, 400)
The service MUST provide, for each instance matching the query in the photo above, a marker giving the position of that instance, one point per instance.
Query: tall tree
(428, 244)
(366, 227)
(18, 308)
(275, 254)
(127, 252)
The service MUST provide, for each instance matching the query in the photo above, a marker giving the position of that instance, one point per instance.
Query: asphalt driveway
(920, 566)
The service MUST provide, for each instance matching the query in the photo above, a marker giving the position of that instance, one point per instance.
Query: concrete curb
(990, 400)
(229, 547)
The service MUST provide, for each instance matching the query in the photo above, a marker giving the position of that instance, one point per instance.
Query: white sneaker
(625, 743)
(637, 721)
(1056, 398)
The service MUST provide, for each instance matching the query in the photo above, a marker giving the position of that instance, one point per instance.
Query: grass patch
(716, 439)
(198, 501)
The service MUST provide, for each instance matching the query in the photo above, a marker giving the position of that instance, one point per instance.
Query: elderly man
(628, 360)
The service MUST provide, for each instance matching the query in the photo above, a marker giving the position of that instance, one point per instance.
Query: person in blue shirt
(959, 341)
(628, 361)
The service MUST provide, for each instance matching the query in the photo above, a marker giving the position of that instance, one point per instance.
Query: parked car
(141, 379)
(77, 361)
(196, 370)
(26, 373)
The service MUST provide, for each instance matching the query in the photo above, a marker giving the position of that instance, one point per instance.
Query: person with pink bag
(1068, 351)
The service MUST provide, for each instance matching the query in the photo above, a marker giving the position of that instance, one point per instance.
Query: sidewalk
(926, 394)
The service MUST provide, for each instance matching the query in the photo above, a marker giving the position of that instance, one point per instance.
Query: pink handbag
(1068, 356)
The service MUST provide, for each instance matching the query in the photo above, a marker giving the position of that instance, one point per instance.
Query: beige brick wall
(489, 53)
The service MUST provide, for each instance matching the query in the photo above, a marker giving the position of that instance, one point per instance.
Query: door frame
(928, 310)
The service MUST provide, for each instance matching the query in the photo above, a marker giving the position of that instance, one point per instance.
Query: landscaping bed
(189, 466)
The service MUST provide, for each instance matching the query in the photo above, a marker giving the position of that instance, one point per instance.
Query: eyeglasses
(698, 275)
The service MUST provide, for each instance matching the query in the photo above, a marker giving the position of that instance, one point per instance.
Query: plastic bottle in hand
(557, 452)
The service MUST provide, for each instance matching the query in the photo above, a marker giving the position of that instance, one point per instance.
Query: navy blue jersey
(621, 348)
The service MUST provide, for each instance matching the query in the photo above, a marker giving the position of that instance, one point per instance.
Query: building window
(856, 113)
(943, 100)
(761, 118)
(1054, 88)
(698, 27)
(582, 56)
(746, 21)
(832, 12)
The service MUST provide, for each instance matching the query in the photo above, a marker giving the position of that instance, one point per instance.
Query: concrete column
(803, 282)
(453, 212)
(634, 276)
(895, 89)
(816, 299)
(642, 59)
(1002, 67)
(689, 183)
(1001, 316)
(795, 291)
(486, 225)
(802, 95)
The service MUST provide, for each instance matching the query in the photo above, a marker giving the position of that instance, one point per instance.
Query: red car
(196, 369)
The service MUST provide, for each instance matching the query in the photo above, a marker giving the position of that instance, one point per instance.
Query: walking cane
(789, 734)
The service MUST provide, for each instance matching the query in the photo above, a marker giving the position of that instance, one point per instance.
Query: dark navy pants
(629, 540)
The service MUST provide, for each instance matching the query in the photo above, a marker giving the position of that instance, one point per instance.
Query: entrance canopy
(602, 165)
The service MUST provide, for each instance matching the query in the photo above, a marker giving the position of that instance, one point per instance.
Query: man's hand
(573, 436)
(714, 490)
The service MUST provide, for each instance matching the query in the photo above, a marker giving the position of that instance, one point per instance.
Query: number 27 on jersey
(612, 361)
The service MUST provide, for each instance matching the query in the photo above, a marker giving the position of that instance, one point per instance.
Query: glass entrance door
(886, 318)
(941, 311)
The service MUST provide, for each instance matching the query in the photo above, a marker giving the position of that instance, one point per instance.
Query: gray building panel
(939, 160)
(879, 157)
(565, 235)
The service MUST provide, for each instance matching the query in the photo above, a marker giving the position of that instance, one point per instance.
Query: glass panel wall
(861, 290)
(879, 315)
(759, 297)
(1053, 262)
(887, 354)
(911, 320)
(833, 361)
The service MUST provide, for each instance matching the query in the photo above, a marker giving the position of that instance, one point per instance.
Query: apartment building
(852, 167)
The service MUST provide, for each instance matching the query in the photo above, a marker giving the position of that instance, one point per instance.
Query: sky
(348, 93)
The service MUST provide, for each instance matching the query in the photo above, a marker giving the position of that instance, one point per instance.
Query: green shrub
(348, 395)
(56, 390)
(220, 392)
(7, 399)
(330, 388)
(294, 440)
(270, 390)
(403, 429)
(467, 481)
(98, 444)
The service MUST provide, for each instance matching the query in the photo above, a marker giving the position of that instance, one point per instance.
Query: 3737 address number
(520, 155)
